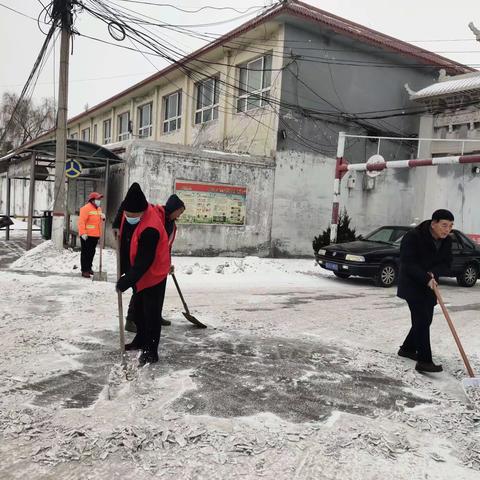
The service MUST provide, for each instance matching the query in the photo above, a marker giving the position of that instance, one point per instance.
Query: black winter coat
(418, 257)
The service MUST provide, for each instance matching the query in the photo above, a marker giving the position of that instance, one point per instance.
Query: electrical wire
(206, 7)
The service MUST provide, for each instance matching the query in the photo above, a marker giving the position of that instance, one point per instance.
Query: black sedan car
(377, 256)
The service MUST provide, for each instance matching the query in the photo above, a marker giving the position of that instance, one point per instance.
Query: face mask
(132, 220)
(97, 202)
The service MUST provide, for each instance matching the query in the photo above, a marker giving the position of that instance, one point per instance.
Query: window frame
(244, 96)
(107, 140)
(84, 137)
(148, 128)
(166, 122)
(211, 108)
(123, 135)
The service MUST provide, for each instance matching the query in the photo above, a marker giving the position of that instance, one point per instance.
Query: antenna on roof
(475, 31)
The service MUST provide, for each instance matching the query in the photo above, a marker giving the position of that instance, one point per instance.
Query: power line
(38, 65)
(206, 7)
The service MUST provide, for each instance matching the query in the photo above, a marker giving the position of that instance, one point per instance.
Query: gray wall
(156, 166)
(303, 201)
(348, 88)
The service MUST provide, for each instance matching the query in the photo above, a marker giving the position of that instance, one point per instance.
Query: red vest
(160, 267)
(171, 238)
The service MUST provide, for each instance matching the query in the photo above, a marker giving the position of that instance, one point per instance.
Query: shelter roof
(89, 154)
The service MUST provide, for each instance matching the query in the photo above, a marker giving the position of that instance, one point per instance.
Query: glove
(84, 236)
(172, 269)
(123, 284)
(103, 216)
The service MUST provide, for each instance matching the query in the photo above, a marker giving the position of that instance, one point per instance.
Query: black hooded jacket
(418, 257)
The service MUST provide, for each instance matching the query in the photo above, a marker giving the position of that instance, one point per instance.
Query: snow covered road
(296, 378)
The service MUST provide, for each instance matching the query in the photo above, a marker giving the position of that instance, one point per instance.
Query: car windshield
(388, 235)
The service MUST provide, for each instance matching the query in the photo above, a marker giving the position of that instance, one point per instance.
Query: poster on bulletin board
(212, 203)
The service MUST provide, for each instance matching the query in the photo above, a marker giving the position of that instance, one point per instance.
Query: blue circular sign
(73, 168)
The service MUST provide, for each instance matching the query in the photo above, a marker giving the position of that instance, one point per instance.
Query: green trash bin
(46, 225)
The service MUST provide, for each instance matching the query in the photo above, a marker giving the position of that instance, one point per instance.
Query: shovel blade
(471, 387)
(193, 320)
(100, 277)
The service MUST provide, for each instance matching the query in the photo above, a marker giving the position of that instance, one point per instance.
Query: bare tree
(29, 121)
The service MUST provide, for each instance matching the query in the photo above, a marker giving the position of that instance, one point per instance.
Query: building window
(107, 131)
(254, 83)
(145, 121)
(207, 100)
(86, 134)
(124, 126)
(95, 137)
(172, 117)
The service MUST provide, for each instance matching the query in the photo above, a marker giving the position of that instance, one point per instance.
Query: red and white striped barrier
(428, 162)
(377, 164)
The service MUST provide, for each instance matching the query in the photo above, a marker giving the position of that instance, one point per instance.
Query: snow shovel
(187, 313)
(100, 276)
(471, 385)
(120, 308)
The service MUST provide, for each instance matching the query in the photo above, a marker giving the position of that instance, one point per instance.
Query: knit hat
(443, 214)
(173, 203)
(135, 200)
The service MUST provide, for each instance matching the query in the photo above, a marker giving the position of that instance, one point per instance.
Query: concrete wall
(157, 166)
(333, 88)
(302, 204)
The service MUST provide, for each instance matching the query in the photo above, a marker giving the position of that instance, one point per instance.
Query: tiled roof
(448, 87)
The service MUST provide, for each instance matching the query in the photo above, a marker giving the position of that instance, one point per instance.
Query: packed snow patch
(47, 258)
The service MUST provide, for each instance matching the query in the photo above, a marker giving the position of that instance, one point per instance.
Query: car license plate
(331, 266)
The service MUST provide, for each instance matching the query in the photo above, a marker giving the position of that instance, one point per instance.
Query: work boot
(147, 356)
(130, 326)
(132, 346)
(428, 367)
(165, 323)
(91, 272)
(86, 274)
(407, 354)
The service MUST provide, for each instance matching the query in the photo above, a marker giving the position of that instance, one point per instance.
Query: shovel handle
(180, 293)
(120, 305)
(454, 332)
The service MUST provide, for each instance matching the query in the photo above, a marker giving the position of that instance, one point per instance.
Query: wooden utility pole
(63, 14)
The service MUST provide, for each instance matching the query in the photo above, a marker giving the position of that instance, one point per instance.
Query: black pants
(418, 338)
(131, 317)
(148, 305)
(87, 253)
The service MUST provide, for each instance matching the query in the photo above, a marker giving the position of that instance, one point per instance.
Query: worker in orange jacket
(90, 224)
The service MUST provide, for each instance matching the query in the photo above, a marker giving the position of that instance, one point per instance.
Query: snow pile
(46, 258)
(230, 266)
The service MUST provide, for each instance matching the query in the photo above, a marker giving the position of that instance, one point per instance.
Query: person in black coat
(148, 265)
(173, 209)
(425, 255)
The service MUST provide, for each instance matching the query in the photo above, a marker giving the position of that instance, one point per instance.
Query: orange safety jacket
(160, 267)
(90, 220)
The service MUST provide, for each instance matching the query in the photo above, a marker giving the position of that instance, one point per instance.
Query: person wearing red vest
(90, 230)
(144, 265)
(169, 213)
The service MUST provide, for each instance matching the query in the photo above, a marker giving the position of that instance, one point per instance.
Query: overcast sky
(98, 71)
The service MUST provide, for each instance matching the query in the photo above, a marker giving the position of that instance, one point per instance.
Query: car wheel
(386, 276)
(469, 276)
(341, 274)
